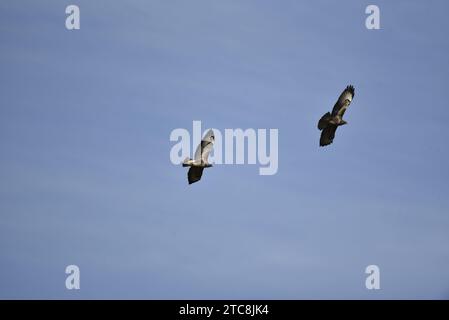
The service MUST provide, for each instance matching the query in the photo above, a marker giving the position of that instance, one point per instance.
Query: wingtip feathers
(351, 89)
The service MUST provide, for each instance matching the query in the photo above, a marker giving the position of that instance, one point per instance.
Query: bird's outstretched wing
(195, 174)
(205, 147)
(322, 123)
(328, 135)
(343, 101)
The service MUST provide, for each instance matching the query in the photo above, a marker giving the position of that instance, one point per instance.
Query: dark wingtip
(325, 144)
(351, 89)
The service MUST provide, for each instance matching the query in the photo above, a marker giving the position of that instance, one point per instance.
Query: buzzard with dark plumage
(199, 162)
(329, 123)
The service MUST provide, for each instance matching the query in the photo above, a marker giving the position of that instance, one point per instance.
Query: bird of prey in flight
(329, 123)
(199, 162)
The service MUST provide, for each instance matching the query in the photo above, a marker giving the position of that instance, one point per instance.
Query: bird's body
(200, 160)
(329, 122)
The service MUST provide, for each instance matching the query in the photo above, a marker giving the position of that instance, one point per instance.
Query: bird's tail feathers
(324, 121)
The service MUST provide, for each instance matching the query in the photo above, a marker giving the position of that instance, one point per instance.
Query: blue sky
(86, 179)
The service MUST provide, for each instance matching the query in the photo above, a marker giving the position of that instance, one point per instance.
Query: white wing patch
(206, 151)
(205, 147)
(345, 101)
